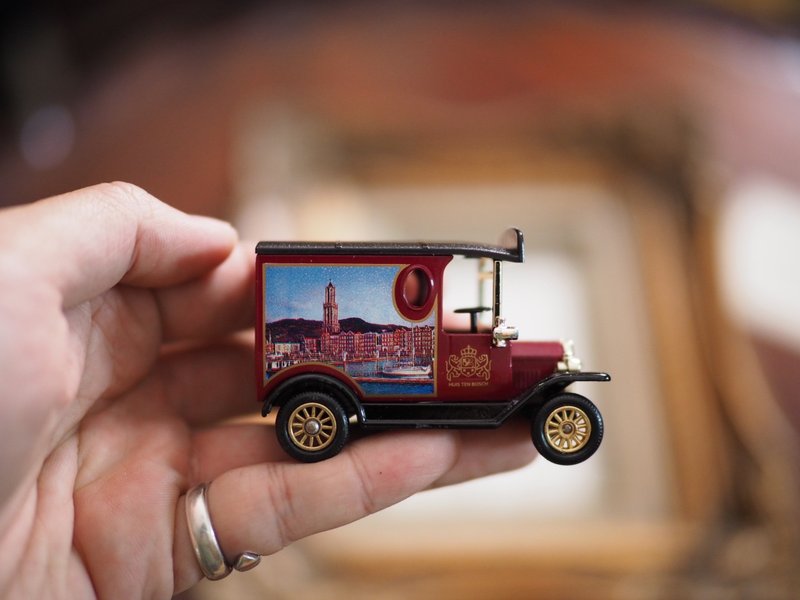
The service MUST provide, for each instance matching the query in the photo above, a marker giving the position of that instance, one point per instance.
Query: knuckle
(283, 511)
(132, 207)
(364, 481)
(125, 191)
(128, 198)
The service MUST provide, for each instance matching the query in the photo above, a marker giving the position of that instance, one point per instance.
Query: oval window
(416, 288)
(414, 292)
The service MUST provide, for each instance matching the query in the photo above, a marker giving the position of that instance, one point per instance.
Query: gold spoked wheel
(312, 426)
(567, 429)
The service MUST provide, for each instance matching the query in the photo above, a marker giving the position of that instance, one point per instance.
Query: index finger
(85, 242)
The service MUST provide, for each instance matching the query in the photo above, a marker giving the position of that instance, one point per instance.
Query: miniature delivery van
(352, 335)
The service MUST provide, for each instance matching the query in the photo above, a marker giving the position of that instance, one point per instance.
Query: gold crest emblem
(468, 365)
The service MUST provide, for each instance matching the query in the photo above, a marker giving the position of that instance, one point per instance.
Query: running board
(441, 415)
(464, 415)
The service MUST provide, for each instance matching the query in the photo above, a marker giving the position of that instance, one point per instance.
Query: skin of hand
(121, 358)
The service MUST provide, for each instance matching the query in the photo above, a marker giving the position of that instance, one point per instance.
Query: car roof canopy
(511, 248)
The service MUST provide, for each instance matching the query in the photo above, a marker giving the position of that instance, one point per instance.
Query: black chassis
(426, 414)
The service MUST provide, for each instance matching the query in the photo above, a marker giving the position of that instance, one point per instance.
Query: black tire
(312, 426)
(567, 429)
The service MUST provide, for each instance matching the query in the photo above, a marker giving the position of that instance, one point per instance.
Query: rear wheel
(567, 429)
(312, 426)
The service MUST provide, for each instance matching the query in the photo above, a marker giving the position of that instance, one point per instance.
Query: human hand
(119, 363)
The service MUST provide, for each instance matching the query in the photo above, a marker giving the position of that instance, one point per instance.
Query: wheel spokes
(567, 429)
(312, 426)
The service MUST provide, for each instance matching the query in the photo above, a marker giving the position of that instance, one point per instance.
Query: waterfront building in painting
(290, 348)
(309, 345)
(333, 343)
(422, 338)
(370, 344)
(347, 342)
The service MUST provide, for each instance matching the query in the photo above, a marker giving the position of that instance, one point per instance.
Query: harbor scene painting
(345, 316)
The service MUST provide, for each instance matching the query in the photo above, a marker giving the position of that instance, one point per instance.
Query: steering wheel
(473, 313)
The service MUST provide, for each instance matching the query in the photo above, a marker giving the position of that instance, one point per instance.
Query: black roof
(511, 250)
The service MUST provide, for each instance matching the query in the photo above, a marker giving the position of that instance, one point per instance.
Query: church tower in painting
(330, 310)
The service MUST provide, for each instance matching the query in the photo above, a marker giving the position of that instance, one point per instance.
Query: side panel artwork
(347, 316)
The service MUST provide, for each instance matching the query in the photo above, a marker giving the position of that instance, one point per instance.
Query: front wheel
(568, 429)
(312, 427)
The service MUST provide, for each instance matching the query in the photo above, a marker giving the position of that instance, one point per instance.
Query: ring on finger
(204, 539)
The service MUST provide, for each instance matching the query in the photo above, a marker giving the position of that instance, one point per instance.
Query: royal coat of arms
(468, 364)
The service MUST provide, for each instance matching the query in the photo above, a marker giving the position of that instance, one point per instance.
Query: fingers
(122, 329)
(216, 304)
(206, 385)
(219, 449)
(201, 385)
(492, 451)
(86, 241)
(263, 507)
(226, 447)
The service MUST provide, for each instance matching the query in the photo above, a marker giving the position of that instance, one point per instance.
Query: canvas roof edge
(510, 249)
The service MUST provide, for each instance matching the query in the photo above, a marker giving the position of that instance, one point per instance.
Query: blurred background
(648, 150)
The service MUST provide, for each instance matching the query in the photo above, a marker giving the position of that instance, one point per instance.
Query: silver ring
(204, 539)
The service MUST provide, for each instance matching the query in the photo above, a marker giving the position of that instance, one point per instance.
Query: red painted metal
(467, 367)
(533, 361)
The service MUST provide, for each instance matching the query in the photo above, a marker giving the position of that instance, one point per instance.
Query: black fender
(550, 386)
(314, 382)
(533, 398)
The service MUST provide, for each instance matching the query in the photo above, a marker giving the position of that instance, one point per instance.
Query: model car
(352, 334)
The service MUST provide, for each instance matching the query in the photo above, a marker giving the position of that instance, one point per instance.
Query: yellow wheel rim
(567, 429)
(312, 426)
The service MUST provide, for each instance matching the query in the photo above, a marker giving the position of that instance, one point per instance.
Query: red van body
(352, 334)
